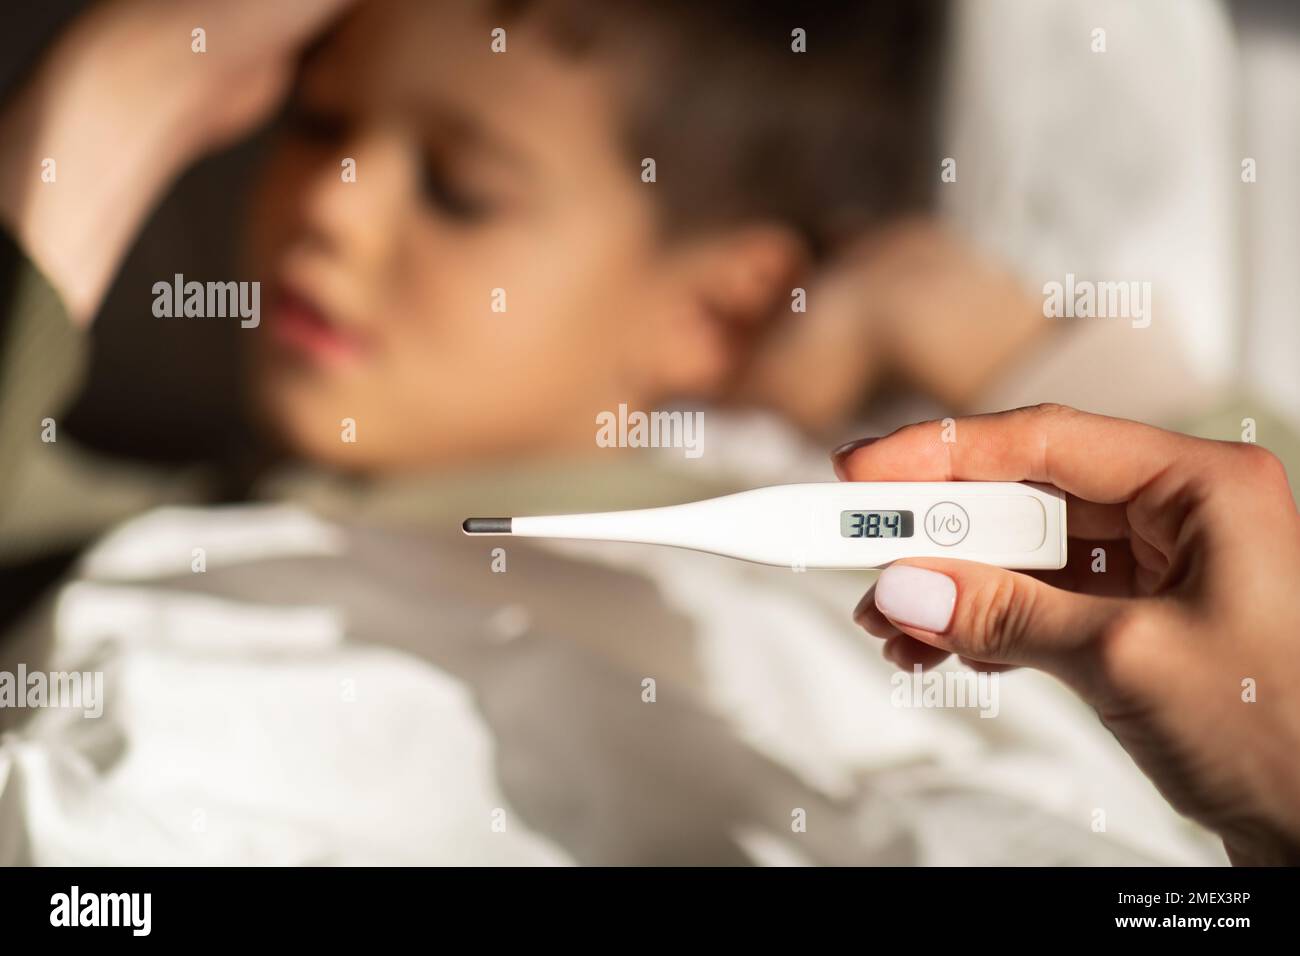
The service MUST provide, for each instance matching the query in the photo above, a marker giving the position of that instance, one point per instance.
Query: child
(464, 249)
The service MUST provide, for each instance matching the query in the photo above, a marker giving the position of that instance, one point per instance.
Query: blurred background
(1128, 172)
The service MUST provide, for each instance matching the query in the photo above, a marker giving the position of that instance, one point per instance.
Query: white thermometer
(838, 524)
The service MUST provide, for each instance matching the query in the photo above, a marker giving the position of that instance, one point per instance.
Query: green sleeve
(42, 361)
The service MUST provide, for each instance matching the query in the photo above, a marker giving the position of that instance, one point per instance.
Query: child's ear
(730, 286)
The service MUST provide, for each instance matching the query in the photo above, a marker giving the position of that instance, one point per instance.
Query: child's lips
(300, 326)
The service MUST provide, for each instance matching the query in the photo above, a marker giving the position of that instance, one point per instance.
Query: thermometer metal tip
(486, 526)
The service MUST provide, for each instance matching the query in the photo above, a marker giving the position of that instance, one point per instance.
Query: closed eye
(315, 125)
(447, 197)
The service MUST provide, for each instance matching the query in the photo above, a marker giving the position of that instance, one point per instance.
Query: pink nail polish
(916, 597)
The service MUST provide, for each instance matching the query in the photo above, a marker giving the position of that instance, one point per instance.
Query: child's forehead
(435, 60)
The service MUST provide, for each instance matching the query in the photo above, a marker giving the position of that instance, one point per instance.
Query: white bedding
(330, 695)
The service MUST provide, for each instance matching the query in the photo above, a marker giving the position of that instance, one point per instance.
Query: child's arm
(119, 105)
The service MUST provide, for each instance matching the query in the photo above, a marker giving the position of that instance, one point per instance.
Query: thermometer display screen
(876, 524)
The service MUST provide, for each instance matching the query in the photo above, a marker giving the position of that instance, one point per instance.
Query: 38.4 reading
(876, 524)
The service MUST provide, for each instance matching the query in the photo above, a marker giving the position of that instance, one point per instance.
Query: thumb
(993, 615)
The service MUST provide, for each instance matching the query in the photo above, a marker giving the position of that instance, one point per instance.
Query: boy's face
(474, 172)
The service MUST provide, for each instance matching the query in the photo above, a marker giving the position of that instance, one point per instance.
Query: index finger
(1100, 459)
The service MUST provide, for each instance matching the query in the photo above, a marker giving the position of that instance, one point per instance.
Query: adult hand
(1187, 646)
(121, 104)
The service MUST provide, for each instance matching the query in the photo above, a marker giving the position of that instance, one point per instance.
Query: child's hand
(815, 367)
(120, 105)
(909, 303)
(1188, 644)
(251, 47)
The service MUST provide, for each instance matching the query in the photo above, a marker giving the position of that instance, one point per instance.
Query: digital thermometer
(863, 524)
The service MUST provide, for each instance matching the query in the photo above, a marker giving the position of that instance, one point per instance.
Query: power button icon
(946, 524)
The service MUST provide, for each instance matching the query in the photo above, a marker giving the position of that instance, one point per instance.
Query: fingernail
(843, 451)
(916, 597)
